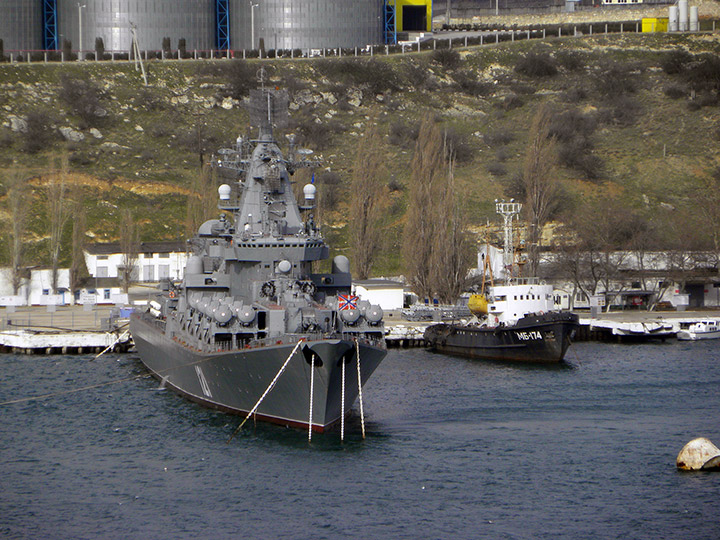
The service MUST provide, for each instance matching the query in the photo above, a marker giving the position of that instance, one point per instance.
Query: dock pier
(87, 330)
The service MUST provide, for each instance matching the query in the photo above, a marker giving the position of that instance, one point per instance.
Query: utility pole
(80, 42)
(252, 24)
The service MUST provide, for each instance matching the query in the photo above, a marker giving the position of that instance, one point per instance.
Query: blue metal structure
(222, 20)
(390, 29)
(50, 26)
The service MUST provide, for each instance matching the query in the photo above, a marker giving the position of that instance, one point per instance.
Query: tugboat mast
(508, 210)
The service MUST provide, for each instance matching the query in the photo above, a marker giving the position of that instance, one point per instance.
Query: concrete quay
(83, 330)
(62, 330)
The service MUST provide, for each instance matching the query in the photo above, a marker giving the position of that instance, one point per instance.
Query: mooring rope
(342, 403)
(267, 390)
(121, 336)
(312, 384)
(362, 412)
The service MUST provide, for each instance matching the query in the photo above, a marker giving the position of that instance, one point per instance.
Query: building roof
(164, 246)
(379, 284)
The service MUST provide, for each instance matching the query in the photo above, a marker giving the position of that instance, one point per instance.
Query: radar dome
(309, 190)
(224, 192)
(284, 266)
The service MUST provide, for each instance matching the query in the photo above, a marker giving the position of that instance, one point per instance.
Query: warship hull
(234, 380)
(534, 338)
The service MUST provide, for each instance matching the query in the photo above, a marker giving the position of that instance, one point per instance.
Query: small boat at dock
(704, 329)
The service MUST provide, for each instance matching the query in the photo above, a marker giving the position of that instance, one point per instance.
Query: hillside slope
(629, 122)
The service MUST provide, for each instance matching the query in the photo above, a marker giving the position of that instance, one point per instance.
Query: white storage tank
(683, 15)
(21, 25)
(193, 20)
(293, 24)
(673, 19)
(694, 21)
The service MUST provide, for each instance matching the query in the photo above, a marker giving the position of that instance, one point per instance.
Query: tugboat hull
(535, 338)
(234, 380)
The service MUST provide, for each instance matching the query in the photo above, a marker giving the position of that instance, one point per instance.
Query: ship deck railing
(289, 339)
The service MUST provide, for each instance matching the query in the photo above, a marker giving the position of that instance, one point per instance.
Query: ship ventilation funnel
(341, 265)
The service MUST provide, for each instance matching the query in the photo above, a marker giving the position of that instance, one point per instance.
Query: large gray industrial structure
(284, 24)
(21, 24)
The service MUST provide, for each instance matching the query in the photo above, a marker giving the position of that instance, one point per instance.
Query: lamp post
(252, 24)
(80, 8)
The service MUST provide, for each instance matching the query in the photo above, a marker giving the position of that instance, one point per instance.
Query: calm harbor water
(455, 449)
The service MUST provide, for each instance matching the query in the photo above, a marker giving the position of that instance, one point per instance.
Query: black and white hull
(534, 338)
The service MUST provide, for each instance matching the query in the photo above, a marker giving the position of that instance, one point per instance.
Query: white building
(156, 261)
(389, 295)
(36, 290)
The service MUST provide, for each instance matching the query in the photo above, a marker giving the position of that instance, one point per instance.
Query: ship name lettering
(527, 336)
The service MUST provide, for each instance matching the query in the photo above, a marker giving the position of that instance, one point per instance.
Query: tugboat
(251, 329)
(516, 321)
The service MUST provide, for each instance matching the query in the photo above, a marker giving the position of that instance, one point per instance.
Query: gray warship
(252, 329)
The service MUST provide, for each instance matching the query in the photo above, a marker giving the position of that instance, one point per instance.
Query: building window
(102, 258)
(101, 271)
(46, 292)
(164, 255)
(148, 255)
(106, 294)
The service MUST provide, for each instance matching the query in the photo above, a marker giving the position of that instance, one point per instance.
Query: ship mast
(508, 210)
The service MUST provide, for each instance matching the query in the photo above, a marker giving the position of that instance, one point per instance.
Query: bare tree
(427, 169)
(78, 270)
(18, 202)
(129, 245)
(202, 202)
(367, 199)
(540, 183)
(58, 214)
(449, 258)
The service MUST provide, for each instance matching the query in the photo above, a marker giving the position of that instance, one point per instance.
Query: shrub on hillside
(497, 169)
(704, 74)
(371, 73)
(510, 102)
(616, 79)
(675, 91)
(402, 134)
(468, 83)
(38, 135)
(536, 65)
(447, 58)
(84, 98)
(575, 94)
(316, 135)
(498, 137)
(622, 110)
(675, 61)
(570, 60)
